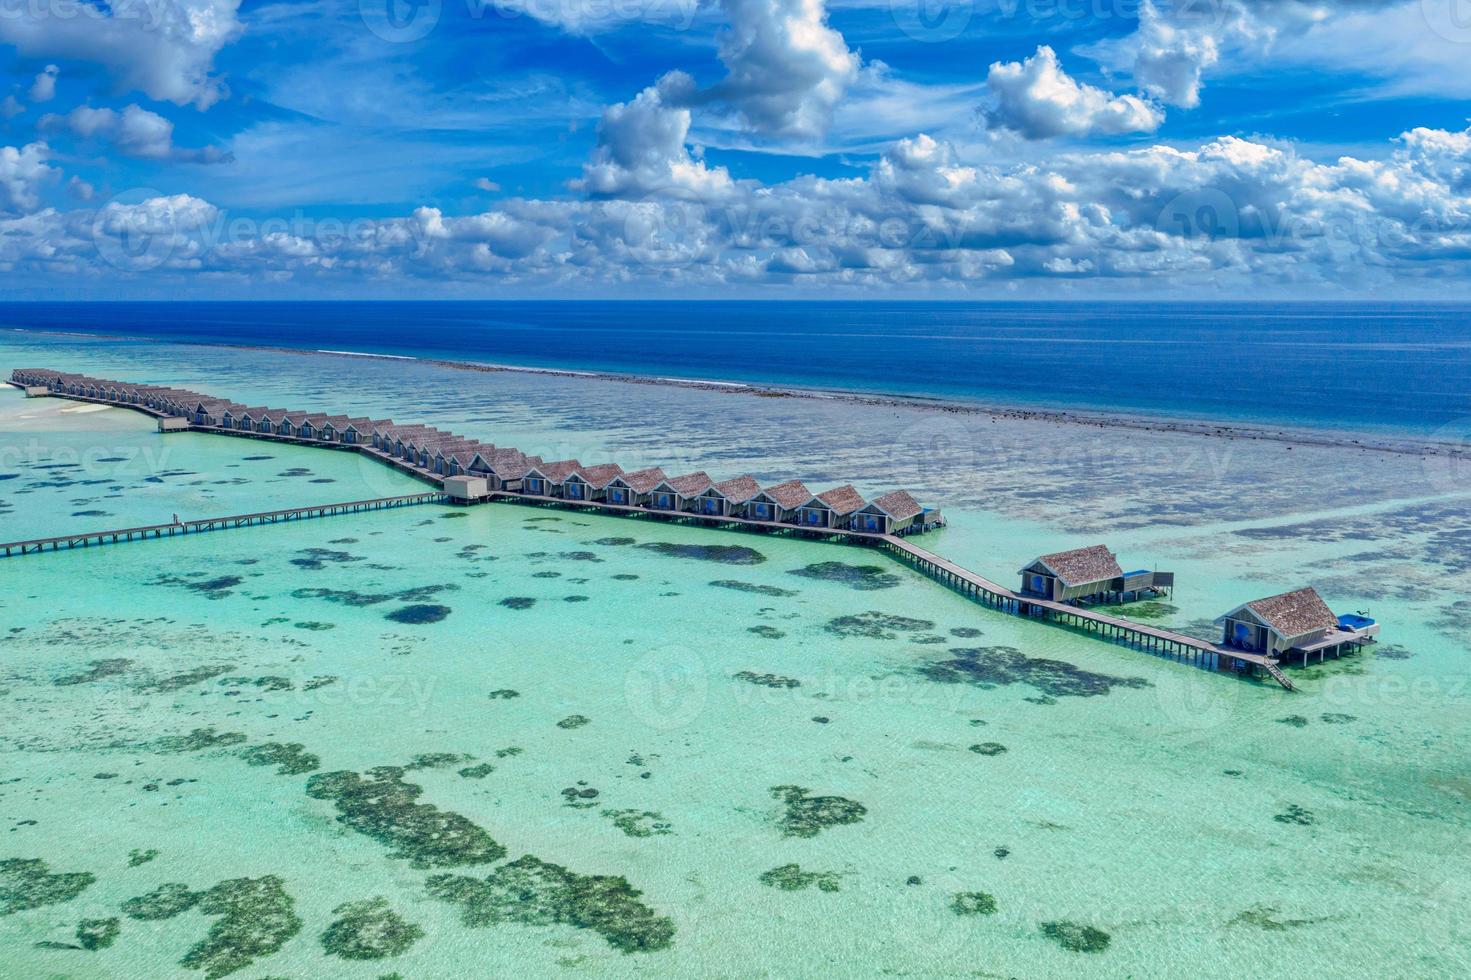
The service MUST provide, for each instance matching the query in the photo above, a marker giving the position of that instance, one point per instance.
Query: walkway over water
(1151, 638)
(167, 405)
(91, 539)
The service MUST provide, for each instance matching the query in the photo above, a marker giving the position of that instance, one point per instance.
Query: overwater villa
(548, 479)
(441, 456)
(1256, 637)
(778, 504)
(1294, 626)
(1090, 575)
(832, 508)
(895, 513)
(590, 482)
(632, 489)
(727, 498)
(678, 492)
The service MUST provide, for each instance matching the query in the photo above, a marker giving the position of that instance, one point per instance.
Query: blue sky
(735, 148)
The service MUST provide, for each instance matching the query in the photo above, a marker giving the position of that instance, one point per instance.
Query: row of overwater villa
(1072, 588)
(468, 469)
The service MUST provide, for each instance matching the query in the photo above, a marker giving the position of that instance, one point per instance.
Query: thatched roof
(738, 490)
(559, 471)
(1083, 565)
(899, 505)
(842, 500)
(1294, 613)
(690, 484)
(642, 481)
(789, 495)
(599, 476)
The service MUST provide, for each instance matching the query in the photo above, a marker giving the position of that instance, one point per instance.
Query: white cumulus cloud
(163, 48)
(1036, 99)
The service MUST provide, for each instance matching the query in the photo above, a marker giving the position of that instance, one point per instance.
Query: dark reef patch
(1294, 721)
(766, 680)
(164, 902)
(504, 694)
(198, 740)
(791, 878)
(316, 559)
(419, 614)
(93, 934)
(289, 758)
(766, 632)
(256, 918)
(382, 806)
(477, 772)
(725, 554)
(808, 816)
(27, 883)
(350, 597)
(972, 903)
(989, 667)
(534, 892)
(754, 588)
(639, 823)
(1076, 938)
(518, 602)
(139, 856)
(177, 682)
(965, 632)
(615, 542)
(1295, 814)
(96, 671)
(864, 578)
(876, 626)
(437, 760)
(988, 748)
(574, 721)
(369, 930)
(1150, 610)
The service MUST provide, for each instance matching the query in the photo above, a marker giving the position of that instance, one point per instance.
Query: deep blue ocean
(1381, 366)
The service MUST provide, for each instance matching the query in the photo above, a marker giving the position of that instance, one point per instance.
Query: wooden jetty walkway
(1142, 636)
(92, 539)
(466, 471)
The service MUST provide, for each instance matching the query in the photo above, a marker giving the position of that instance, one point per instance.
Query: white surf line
(702, 381)
(358, 353)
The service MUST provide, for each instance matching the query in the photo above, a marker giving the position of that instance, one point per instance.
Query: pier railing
(1149, 638)
(92, 539)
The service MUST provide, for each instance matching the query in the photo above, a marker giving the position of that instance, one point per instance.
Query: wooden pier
(1152, 639)
(174, 406)
(93, 539)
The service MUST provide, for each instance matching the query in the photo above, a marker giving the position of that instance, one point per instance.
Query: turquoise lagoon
(682, 697)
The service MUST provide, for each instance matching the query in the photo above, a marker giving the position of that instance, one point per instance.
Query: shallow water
(1173, 809)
